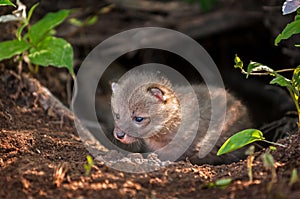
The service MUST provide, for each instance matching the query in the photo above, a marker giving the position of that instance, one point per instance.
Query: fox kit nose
(124, 138)
(120, 135)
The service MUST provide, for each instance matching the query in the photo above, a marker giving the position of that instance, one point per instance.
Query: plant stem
(274, 143)
(285, 70)
(297, 107)
(36, 69)
(268, 73)
(259, 74)
(249, 166)
(31, 70)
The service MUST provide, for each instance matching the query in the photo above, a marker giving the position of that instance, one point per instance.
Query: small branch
(285, 70)
(268, 73)
(274, 143)
(258, 74)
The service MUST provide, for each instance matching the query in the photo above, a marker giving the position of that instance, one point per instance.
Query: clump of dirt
(41, 156)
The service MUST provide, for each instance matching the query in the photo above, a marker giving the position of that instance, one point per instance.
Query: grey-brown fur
(163, 113)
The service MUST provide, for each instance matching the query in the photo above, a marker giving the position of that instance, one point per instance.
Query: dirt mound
(42, 157)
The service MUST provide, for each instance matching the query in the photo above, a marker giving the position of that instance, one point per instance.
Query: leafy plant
(293, 84)
(89, 165)
(38, 45)
(290, 29)
(248, 136)
(242, 139)
(6, 3)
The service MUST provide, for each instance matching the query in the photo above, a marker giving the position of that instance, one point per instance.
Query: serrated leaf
(13, 47)
(40, 29)
(256, 67)
(240, 139)
(290, 29)
(238, 62)
(53, 51)
(6, 3)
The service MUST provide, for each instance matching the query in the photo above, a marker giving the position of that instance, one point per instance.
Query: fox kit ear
(156, 92)
(114, 86)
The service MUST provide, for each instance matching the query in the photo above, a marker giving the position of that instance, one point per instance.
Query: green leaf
(91, 20)
(87, 22)
(296, 79)
(256, 67)
(6, 3)
(25, 24)
(20, 30)
(240, 139)
(272, 148)
(290, 29)
(89, 165)
(76, 22)
(40, 29)
(89, 160)
(53, 51)
(297, 15)
(223, 183)
(13, 47)
(281, 81)
(238, 62)
(31, 11)
(284, 82)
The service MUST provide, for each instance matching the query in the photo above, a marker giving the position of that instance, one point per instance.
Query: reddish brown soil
(42, 157)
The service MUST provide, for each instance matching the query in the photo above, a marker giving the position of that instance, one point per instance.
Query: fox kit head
(142, 106)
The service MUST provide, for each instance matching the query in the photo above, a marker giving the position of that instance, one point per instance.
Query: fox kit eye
(117, 116)
(138, 119)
